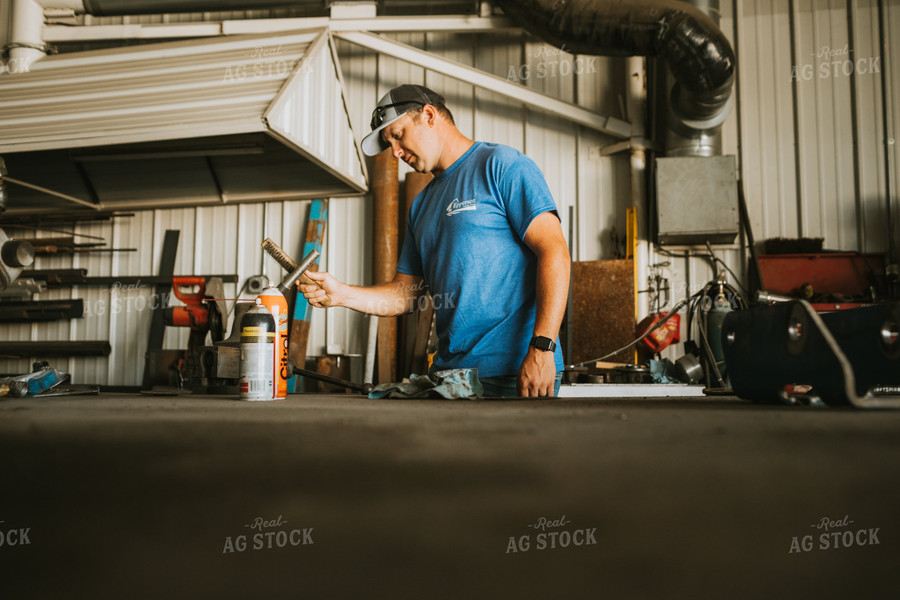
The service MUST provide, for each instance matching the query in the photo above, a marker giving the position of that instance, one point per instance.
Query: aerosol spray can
(275, 301)
(257, 354)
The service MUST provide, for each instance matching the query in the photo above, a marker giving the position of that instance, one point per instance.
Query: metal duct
(694, 48)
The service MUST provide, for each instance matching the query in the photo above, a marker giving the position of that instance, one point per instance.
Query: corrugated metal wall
(813, 154)
(813, 130)
(814, 126)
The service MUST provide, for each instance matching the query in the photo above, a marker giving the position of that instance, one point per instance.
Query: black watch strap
(543, 343)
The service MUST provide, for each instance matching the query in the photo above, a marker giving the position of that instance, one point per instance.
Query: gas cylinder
(715, 317)
(274, 300)
(257, 354)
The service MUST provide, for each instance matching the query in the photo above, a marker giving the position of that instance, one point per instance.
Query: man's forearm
(384, 300)
(552, 291)
(538, 370)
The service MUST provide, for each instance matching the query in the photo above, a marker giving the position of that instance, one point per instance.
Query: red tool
(200, 316)
(194, 313)
(668, 333)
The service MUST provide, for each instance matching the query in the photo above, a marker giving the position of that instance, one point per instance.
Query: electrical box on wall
(696, 200)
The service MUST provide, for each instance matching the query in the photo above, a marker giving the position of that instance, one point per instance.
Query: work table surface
(340, 496)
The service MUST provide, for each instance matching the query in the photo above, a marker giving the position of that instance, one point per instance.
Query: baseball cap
(391, 107)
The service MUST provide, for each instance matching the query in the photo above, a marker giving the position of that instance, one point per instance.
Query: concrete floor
(146, 497)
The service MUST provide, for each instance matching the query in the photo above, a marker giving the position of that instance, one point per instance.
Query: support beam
(513, 91)
(412, 24)
(73, 5)
(162, 31)
(445, 24)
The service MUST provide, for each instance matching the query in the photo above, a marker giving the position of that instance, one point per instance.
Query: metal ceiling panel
(145, 93)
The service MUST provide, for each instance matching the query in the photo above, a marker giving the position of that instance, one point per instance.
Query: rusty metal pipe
(386, 194)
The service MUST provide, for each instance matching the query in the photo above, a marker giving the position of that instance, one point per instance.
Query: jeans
(505, 386)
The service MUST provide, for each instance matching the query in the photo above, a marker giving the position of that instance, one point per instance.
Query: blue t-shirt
(465, 236)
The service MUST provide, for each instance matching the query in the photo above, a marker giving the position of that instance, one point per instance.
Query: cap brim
(372, 144)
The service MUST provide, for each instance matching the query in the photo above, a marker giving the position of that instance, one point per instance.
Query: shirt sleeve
(526, 194)
(410, 262)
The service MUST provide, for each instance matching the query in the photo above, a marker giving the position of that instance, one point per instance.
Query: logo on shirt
(458, 206)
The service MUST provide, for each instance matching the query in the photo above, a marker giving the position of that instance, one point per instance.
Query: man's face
(412, 140)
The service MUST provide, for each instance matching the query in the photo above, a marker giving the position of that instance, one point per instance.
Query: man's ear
(429, 114)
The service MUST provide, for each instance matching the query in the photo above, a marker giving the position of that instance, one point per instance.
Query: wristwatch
(543, 343)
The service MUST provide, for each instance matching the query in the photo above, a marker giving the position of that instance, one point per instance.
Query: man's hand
(390, 299)
(327, 286)
(537, 375)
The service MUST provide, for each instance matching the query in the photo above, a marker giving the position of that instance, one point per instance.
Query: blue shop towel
(663, 371)
(450, 384)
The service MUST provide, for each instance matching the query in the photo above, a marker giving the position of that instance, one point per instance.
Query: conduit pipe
(636, 104)
(26, 43)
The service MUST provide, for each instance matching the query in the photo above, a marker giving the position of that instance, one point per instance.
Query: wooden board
(602, 309)
(298, 336)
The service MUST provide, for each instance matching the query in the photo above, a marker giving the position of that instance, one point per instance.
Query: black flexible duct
(695, 49)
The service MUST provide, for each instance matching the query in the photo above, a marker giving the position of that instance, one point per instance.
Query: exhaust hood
(187, 123)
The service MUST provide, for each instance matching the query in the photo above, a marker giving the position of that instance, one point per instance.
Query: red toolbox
(844, 273)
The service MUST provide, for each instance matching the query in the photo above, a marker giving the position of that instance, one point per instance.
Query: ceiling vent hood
(199, 122)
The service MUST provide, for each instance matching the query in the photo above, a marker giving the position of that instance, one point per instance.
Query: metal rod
(66, 277)
(52, 193)
(84, 235)
(371, 346)
(41, 310)
(289, 280)
(356, 387)
(54, 349)
(283, 259)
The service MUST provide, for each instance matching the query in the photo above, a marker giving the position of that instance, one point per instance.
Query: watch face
(543, 343)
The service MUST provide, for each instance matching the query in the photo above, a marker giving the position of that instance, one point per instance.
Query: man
(484, 237)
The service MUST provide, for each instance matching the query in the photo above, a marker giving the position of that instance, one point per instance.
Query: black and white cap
(391, 107)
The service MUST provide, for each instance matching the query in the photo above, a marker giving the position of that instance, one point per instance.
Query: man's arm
(537, 375)
(385, 300)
